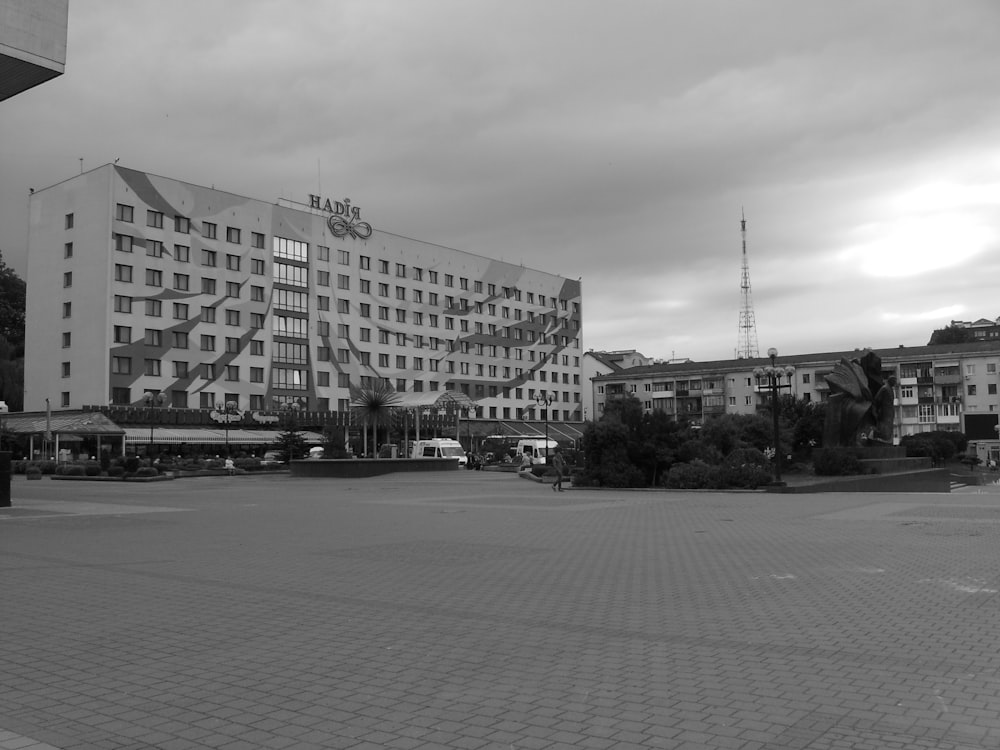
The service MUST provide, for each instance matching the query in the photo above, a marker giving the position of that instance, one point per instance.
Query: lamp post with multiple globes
(545, 401)
(770, 376)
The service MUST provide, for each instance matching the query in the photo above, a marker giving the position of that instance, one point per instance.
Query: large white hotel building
(139, 283)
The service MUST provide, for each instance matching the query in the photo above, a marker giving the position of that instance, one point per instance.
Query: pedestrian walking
(559, 464)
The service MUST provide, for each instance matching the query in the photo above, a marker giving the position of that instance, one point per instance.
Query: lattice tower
(747, 344)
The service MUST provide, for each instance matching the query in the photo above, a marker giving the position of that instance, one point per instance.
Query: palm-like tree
(372, 404)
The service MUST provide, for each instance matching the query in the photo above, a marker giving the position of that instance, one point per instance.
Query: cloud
(613, 142)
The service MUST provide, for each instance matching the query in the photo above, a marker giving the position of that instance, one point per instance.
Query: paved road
(477, 610)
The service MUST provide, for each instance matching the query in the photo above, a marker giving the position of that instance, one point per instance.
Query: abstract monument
(860, 408)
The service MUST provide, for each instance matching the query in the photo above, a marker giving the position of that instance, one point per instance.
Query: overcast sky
(617, 142)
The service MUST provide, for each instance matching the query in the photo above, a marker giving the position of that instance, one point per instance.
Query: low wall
(928, 480)
(368, 467)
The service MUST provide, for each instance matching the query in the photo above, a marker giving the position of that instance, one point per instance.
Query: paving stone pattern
(476, 610)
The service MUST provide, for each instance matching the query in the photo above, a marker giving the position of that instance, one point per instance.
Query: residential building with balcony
(944, 387)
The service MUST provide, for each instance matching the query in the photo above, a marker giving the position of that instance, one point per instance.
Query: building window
(207, 343)
(233, 289)
(256, 374)
(232, 317)
(123, 334)
(65, 369)
(256, 320)
(123, 304)
(208, 286)
(323, 278)
(233, 235)
(206, 400)
(257, 240)
(121, 365)
(69, 221)
(343, 281)
(152, 367)
(68, 250)
(344, 307)
(364, 262)
(208, 314)
(182, 282)
(232, 262)
(182, 224)
(209, 258)
(154, 277)
(153, 337)
(180, 340)
(323, 303)
(154, 308)
(123, 213)
(232, 345)
(256, 348)
(232, 373)
(154, 219)
(182, 253)
(257, 293)
(68, 279)
(180, 311)
(257, 266)
(383, 266)
(972, 390)
(208, 230)
(123, 273)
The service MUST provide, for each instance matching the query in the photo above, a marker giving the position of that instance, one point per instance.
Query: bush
(836, 462)
(746, 476)
(92, 469)
(147, 471)
(33, 470)
(74, 470)
(696, 475)
(116, 471)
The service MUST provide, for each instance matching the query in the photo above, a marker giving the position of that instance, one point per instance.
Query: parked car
(271, 458)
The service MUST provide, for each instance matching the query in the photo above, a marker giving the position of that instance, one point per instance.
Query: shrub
(116, 471)
(745, 476)
(836, 462)
(33, 472)
(147, 471)
(696, 475)
(74, 470)
(92, 469)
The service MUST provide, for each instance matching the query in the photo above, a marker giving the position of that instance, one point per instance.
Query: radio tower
(747, 346)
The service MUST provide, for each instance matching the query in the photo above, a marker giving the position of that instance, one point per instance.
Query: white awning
(206, 436)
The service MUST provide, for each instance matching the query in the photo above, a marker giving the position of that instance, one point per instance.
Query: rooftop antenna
(746, 347)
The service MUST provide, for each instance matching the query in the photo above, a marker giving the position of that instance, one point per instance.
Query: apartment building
(944, 387)
(140, 284)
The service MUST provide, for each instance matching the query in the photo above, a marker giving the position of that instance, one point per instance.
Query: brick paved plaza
(476, 610)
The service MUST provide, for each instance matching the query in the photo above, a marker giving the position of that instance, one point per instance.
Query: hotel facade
(143, 284)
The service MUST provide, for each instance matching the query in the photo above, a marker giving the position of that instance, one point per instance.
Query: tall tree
(12, 301)
(951, 334)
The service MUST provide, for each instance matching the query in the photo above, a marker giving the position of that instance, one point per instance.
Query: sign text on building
(344, 220)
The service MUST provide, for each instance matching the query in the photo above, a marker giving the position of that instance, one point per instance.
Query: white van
(440, 448)
(534, 448)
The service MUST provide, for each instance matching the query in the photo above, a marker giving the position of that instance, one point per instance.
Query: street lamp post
(546, 402)
(770, 376)
(226, 410)
(153, 402)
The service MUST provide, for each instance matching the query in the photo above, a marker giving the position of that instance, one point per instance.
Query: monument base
(889, 459)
